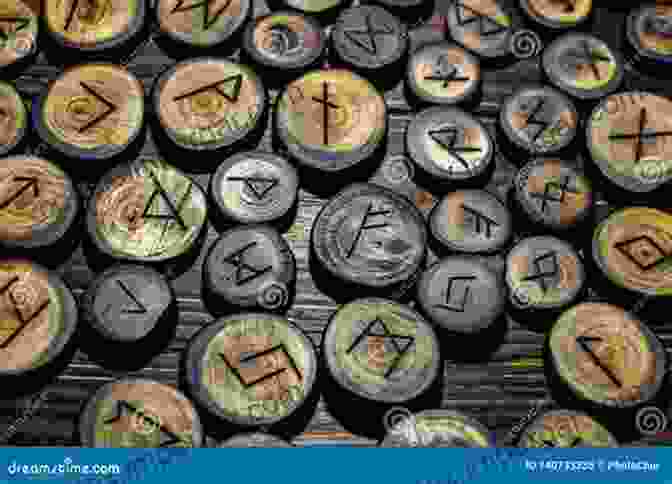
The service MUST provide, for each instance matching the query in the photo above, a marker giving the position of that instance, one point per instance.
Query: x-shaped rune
(207, 20)
(366, 38)
(124, 407)
(326, 106)
(640, 135)
(386, 335)
(110, 108)
(448, 144)
(583, 342)
(20, 22)
(549, 189)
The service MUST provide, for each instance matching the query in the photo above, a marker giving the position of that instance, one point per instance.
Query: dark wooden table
(499, 391)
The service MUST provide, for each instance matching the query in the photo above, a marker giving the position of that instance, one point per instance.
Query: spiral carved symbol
(650, 420)
(400, 421)
(274, 296)
(397, 171)
(525, 44)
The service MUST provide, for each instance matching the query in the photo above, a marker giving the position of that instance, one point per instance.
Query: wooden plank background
(499, 391)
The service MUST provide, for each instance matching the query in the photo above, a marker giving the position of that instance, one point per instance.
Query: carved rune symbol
(640, 135)
(229, 88)
(244, 272)
(326, 106)
(258, 185)
(208, 21)
(138, 308)
(445, 72)
(23, 319)
(19, 22)
(394, 339)
(533, 120)
(550, 195)
(125, 409)
(487, 25)
(481, 223)
(111, 107)
(644, 252)
(251, 357)
(590, 58)
(584, 343)
(462, 301)
(545, 267)
(29, 182)
(366, 38)
(365, 225)
(446, 139)
(174, 214)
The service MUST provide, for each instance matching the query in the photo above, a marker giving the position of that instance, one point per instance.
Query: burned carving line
(123, 404)
(449, 290)
(236, 259)
(280, 347)
(367, 332)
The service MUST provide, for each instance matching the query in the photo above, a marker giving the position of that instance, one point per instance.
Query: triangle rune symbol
(487, 26)
(259, 186)
(244, 272)
(400, 343)
(125, 409)
(229, 88)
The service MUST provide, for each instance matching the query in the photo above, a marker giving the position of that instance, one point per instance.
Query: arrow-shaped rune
(208, 21)
(237, 81)
(110, 108)
(19, 22)
(584, 343)
(482, 20)
(448, 144)
(125, 408)
(29, 182)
